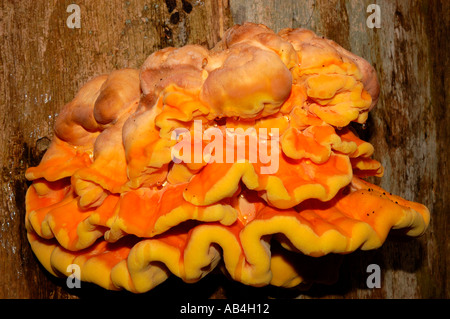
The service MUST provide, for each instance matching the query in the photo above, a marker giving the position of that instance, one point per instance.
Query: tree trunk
(43, 62)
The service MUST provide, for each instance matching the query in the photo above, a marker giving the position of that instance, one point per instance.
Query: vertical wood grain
(43, 63)
(409, 128)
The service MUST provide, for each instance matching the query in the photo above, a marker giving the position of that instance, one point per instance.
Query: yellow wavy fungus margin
(109, 195)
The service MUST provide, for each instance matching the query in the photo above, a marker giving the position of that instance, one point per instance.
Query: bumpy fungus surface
(109, 196)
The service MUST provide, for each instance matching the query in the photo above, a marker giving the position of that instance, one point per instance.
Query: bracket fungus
(112, 196)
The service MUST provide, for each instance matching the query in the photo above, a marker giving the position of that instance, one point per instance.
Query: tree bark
(43, 63)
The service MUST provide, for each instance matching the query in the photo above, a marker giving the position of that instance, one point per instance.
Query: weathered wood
(409, 128)
(43, 63)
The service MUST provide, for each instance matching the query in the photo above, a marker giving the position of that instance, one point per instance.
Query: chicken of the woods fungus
(239, 158)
